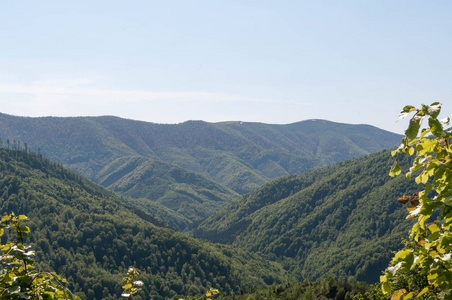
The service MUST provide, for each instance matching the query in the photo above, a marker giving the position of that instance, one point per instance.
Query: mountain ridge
(341, 220)
(196, 145)
(240, 156)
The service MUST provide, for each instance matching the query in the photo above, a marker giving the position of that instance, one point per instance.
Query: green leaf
(424, 132)
(386, 287)
(402, 254)
(395, 170)
(408, 108)
(436, 127)
(413, 128)
(408, 262)
(434, 109)
(425, 146)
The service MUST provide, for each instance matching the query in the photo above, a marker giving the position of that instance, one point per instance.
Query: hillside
(187, 198)
(239, 155)
(343, 220)
(86, 234)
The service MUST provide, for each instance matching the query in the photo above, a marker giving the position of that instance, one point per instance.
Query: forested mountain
(343, 220)
(147, 161)
(187, 198)
(86, 234)
(239, 155)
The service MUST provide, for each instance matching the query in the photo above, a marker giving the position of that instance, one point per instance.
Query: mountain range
(202, 165)
(340, 219)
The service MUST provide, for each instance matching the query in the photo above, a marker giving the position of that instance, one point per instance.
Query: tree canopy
(428, 250)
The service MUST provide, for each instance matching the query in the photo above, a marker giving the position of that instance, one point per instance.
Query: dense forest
(342, 220)
(239, 155)
(86, 234)
(180, 198)
(182, 173)
(91, 236)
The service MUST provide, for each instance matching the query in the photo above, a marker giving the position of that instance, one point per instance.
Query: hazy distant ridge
(239, 155)
(182, 173)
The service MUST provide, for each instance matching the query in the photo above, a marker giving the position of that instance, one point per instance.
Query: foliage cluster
(429, 249)
(130, 285)
(18, 277)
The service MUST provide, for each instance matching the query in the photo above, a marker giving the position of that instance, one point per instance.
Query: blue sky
(262, 61)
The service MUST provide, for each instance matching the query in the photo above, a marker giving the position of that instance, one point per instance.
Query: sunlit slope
(342, 220)
(191, 197)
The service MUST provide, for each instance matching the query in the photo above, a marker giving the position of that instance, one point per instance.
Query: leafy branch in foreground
(130, 286)
(18, 278)
(429, 248)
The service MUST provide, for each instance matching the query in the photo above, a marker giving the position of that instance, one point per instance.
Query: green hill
(341, 220)
(187, 198)
(88, 235)
(239, 155)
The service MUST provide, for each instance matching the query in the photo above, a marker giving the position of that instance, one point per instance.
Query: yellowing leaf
(397, 295)
(432, 277)
(433, 228)
(425, 290)
(22, 217)
(408, 296)
(385, 287)
(402, 254)
(440, 249)
(422, 178)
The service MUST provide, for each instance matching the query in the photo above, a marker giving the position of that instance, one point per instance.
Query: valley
(337, 219)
